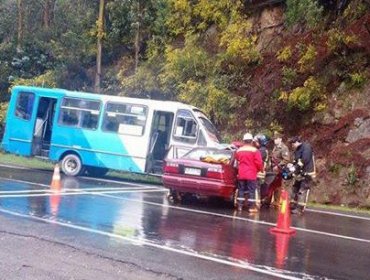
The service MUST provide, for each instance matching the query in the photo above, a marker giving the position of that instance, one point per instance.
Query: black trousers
(300, 191)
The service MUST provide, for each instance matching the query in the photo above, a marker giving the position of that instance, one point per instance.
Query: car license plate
(192, 171)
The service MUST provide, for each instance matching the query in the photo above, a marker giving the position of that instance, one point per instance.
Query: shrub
(47, 79)
(355, 10)
(303, 12)
(239, 43)
(357, 80)
(304, 98)
(307, 60)
(285, 54)
(352, 176)
(335, 168)
(337, 40)
(289, 76)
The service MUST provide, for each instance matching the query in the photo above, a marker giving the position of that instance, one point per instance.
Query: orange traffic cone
(281, 248)
(55, 182)
(55, 186)
(283, 223)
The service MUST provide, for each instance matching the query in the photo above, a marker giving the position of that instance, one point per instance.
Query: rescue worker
(280, 157)
(249, 164)
(304, 164)
(261, 141)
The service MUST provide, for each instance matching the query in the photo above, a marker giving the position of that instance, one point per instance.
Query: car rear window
(200, 154)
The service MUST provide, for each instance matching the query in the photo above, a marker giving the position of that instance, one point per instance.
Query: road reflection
(206, 229)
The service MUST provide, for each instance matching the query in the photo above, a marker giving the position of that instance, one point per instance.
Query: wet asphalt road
(103, 229)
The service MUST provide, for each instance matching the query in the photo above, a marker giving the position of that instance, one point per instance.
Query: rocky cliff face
(340, 133)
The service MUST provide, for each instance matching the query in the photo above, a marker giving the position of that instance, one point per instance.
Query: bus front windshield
(210, 129)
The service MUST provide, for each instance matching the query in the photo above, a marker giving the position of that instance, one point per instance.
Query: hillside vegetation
(297, 66)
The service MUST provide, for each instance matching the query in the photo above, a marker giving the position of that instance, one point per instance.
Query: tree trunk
(48, 13)
(137, 45)
(20, 27)
(137, 35)
(100, 35)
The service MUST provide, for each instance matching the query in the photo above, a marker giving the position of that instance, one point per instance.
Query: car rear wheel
(173, 197)
(71, 165)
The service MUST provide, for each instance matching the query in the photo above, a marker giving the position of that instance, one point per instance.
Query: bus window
(186, 127)
(210, 130)
(202, 140)
(24, 105)
(124, 118)
(80, 113)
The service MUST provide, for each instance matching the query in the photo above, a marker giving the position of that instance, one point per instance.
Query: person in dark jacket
(304, 164)
(280, 156)
(261, 142)
(249, 164)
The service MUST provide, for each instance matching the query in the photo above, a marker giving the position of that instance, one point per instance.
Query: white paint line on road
(238, 218)
(148, 185)
(25, 182)
(83, 177)
(25, 191)
(142, 241)
(47, 187)
(81, 190)
(337, 214)
(63, 193)
(116, 182)
(106, 194)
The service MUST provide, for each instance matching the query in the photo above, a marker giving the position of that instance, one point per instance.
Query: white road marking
(149, 243)
(63, 190)
(337, 214)
(26, 191)
(25, 182)
(237, 218)
(106, 194)
(84, 177)
(63, 193)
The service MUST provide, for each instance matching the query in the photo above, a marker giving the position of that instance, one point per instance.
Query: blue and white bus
(94, 133)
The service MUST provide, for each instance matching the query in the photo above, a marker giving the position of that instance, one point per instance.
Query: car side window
(186, 128)
(24, 105)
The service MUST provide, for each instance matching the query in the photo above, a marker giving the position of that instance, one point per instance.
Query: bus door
(185, 133)
(160, 136)
(43, 126)
(19, 123)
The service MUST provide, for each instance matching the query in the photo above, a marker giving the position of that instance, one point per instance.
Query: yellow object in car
(211, 159)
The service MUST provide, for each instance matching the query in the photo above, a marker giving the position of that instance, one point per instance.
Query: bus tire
(71, 165)
(96, 171)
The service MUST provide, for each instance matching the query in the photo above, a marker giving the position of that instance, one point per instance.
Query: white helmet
(248, 136)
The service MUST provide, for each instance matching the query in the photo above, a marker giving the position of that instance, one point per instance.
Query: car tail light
(171, 167)
(216, 172)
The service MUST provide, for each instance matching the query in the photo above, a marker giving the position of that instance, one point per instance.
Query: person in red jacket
(249, 164)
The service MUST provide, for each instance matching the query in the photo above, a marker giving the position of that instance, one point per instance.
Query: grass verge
(342, 208)
(36, 163)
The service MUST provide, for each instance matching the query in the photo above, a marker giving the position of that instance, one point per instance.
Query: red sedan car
(202, 171)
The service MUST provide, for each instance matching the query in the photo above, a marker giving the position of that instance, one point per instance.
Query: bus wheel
(71, 165)
(96, 171)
